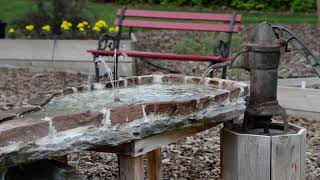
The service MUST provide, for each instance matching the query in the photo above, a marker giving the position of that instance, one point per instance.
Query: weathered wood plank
(154, 164)
(288, 156)
(251, 157)
(131, 168)
(124, 149)
(245, 157)
(148, 144)
(285, 158)
(143, 146)
(303, 153)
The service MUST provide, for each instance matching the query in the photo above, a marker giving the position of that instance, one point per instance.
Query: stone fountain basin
(26, 137)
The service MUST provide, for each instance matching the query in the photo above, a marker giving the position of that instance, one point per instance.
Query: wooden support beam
(143, 146)
(131, 168)
(154, 164)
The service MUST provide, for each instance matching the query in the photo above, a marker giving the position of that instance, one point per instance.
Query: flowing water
(98, 99)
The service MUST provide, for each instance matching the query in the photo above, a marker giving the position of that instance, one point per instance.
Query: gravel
(193, 158)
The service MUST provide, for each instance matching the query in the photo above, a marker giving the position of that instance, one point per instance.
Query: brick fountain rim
(23, 140)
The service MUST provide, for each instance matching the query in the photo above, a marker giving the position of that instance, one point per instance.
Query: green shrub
(53, 12)
(278, 5)
(249, 4)
(303, 5)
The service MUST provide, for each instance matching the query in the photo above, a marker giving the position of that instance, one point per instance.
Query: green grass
(11, 9)
(285, 19)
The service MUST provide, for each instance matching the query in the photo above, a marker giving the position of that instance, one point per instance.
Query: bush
(53, 12)
(279, 5)
(303, 5)
(58, 18)
(78, 30)
(249, 4)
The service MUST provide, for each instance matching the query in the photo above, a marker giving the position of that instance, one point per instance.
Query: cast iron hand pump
(261, 56)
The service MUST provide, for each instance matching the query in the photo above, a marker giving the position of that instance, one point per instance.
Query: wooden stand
(253, 157)
(131, 168)
(131, 155)
(154, 165)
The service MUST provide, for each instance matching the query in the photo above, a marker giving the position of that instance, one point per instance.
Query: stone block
(25, 130)
(146, 79)
(173, 78)
(125, 114)
(219, 98)
(185, 106)
(70, 121)
(203, 102)
(234, 92)
(26, 49)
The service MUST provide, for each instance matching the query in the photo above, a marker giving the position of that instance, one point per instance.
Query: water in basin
(98, 99)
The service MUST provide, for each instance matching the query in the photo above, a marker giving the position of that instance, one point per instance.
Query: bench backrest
(224, 19)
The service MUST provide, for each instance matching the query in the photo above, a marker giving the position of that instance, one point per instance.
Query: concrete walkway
(300, 102)
(296, 82)
(60, 54)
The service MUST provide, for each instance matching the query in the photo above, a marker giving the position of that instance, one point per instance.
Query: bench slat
(155, 55)
(179, 15)
(178, 26)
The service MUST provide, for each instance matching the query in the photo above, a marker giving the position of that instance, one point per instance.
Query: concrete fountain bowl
(92, 116)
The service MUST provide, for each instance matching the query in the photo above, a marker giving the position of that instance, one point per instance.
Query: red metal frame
(155, 55)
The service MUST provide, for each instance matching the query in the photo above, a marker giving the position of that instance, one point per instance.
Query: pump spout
(241, 61)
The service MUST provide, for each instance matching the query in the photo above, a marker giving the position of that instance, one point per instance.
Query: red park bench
(109, 45)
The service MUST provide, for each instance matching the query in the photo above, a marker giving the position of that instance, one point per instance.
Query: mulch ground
(196, 157)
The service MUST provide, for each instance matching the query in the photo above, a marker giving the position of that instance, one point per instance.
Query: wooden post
(252, 156)
(131, 168)
(154, 164)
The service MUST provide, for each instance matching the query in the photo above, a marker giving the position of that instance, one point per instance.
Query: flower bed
(69, 30)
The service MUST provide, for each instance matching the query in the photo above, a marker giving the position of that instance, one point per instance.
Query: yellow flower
(29, 27)
(96, 28)
(46, 28)
(114, 29)
(111, 30)
(11, 30)
(85, 23)
(101, 24)
(80, 25)
(81, 29)
(66, 25)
